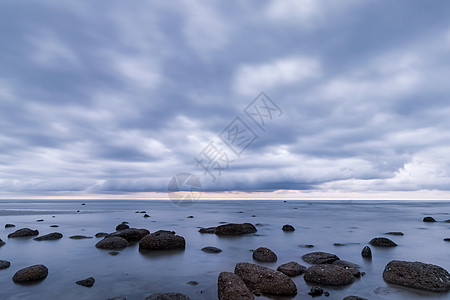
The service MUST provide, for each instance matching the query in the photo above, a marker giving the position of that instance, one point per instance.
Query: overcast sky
(116, 97)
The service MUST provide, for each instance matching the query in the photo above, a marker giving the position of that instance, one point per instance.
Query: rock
(112, 243)
(429, 219)
(353, 268)
(101, 234)
(264, 280)
(306, 246)
(395, 233)
(4, 264)
(122, 226)
(235, 229)
(49, 237)
(211, 249)
(117, 298)
(10, 225)
(207, 230)
(167, 296)
(447, 239)
(131, 234)
(264, 254)
(113, 253)
(80, 237)
(88, 282)
(2, 243)
(315, 291)
(30, 274)
(162, 240)
(316, 258)
(232, 287)
(192, 282)
(288, 228)
(40, 220)
(24, 232)
(292, 269)
(142, 212)
(329, 275)
(54, 225)
(326, 294)
(366, 252)
(417, 275)
(190, 217)
(83, 203)
(146, 216)
(382, 242)
(354, 298)
(447, 221)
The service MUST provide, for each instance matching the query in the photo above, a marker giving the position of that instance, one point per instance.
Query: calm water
(134, 275)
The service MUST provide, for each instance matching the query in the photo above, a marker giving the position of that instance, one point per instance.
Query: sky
(113, 99)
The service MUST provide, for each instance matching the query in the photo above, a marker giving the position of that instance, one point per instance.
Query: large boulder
(417, 275)
(382, 242)
(167, 296)
(24, 232)
(162, 240)
(30, 274)
(264, 254)
(328, 275)
(235, 229)
(264, 280)
(232, 287)
(318, 257)
(292, 269)
(49, 237)
(112, 243)
(131, 234)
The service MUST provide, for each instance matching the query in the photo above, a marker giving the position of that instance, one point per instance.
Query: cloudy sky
(112, 99)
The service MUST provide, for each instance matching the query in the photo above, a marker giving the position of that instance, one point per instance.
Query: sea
(135, 275)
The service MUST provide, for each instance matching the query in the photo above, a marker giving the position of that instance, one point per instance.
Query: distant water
(134, 275)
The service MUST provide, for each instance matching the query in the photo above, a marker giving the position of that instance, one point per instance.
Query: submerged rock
(131, 234)
(2, 243)
(264, 254)
(88, 282)
(318, 257)
(10, 225)
(24, 232)
(122, 226)
(101, 234)
(30, 274)
(382, 242)
(329, 275)
(429, 219)
(354, 298)
(112, 243)
(162, 240)
(264, 280)
(167, 296)
(417, 275)
(366, 252)
(288, 227)
(232, 287)
(315, 291)
(207, 230)
(235, 229)
(54, 225)
(292, 269)
(49, 237)
(4, 264)
(146, 216)
(395, 233)
(80, 237)
(211, 249)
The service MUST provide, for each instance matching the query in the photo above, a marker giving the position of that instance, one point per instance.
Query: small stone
(354, 298)
(288, 227)
(83, 203)
(395, 233)
(447, 239)
(40, 220)
(2, 243)
(192, 282)
(318, 257)
(4, 264)
(211, 249)
(117, 298)
(30, 274)
(122, 226)
(49, 237)
(113, 253)
(190, 217)
(80, 237)
(54, 226)
(429, 219)
(146, 216)
(326, 294)
(315, 291)
(382, 242)
(101, 234)
(366, 252)
(207, 230)
(88, 282)
(306, 246)
(10, 225)
(264, 254)
(167, 296)
(292, 269)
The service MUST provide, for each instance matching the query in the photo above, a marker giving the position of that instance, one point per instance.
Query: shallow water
(134, 275)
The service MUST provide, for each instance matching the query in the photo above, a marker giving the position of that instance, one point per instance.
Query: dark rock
(122, 226)
(30, 274)
(264, 254)
(49, 237)
(146, 216)
(4, 264)
(417, 275)
(167, 296)
(190, 217)
(207, 230)
(288, 228)
(447, 221)
(113, 253)
(211, 249)
(235, 229)
(318, 257)
(447, 239)
(395, 233)
(88, 282)
(24, 232)
(292, 269)
(354, 298)
(264, 280)
(131, 234)
(142, 212)
(344, 244)
(101, 234)
(83, 203)
(315, 291)
(10, 225)
(117, 298)
(162, 240)
(54, 225)
(353, 268)
(2, 243)
(382, 242)
(232, 287)
(192, 282)
(326, 294)
(429, 219)
(40, 220)
(329, 275)
(112, 243)
(80, 237)
(306, 246)
(366, 252)
(78, 211)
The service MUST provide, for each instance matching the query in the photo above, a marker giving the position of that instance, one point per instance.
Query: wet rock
(232, 287)
(4, 264)
(49, 237)
(80, 237)
(2, 243)
(40, 220)
(264, 254)
(10, 225)
(101, 234)
(344, 244)
(319, 257)
(88, 282)
(353, 268)
(288, 227)
(417, 275)
(83, 203)
(328, 275)
(354, 298)
(395, 233)
(113, 253)
(190, 217)
(264, 280)
(146, 216)
(54, 226)
(24, 232)
(211, 249)
(235, 229)
(192, 282)
(30, 274)
(447, 239)
(162, 240)
(112, 243)
(366, 252)
(315, 291)
(306, 246)
(326, 294)
(167, 296)
(117, 298)
(292, 269)
(207, 230)
(429, 219)
(382, 242)
(131, 234)
(122, 226)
